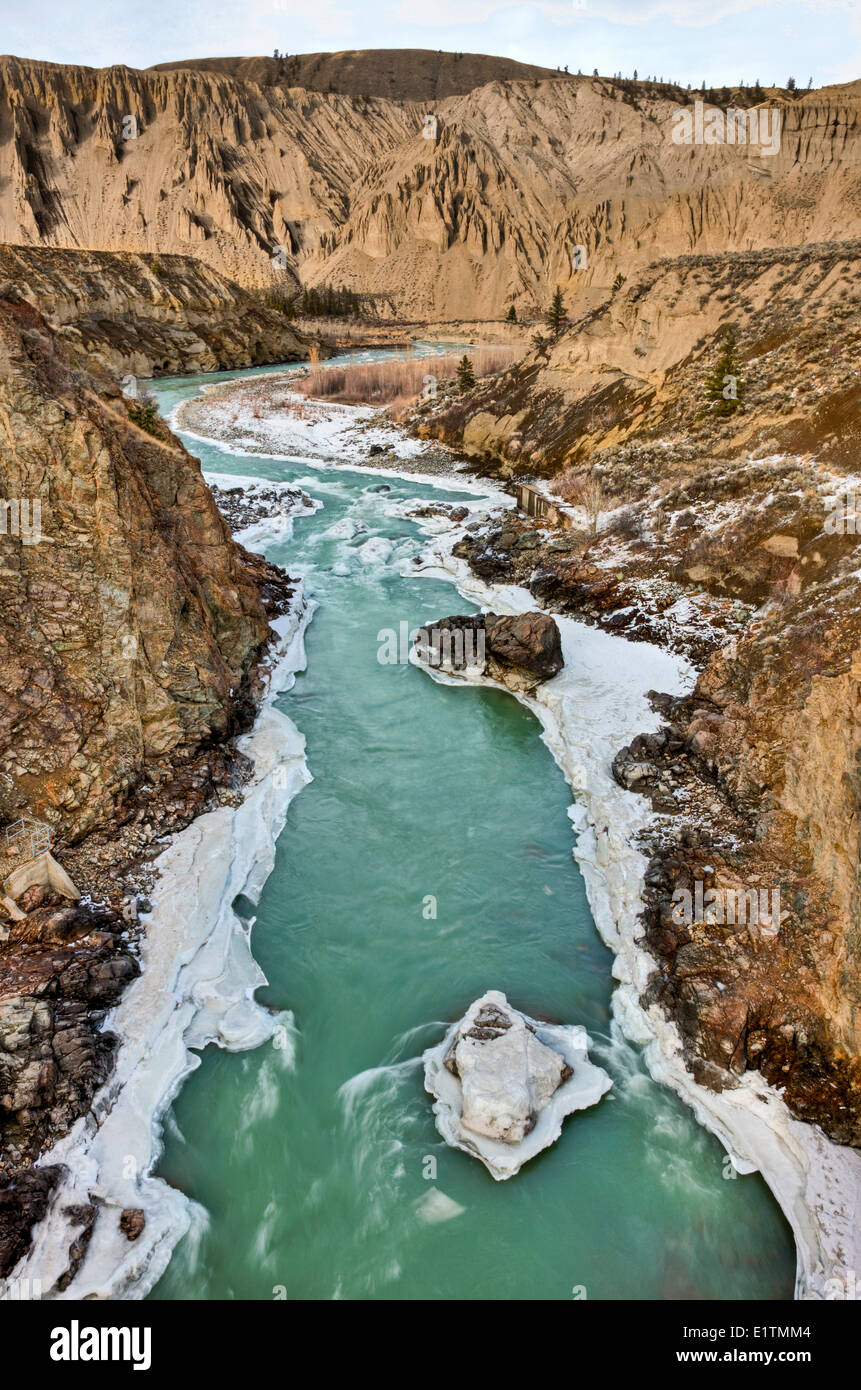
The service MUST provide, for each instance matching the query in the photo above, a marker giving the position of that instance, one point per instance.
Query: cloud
(691, 14)
(328, 16)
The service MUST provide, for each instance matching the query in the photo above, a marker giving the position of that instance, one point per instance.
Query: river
(429, 860)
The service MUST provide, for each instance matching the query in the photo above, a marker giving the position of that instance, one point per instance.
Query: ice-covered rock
(343, 530)
(503, 1083)
(506, 1075)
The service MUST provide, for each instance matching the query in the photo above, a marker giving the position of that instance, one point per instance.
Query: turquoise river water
(312, 1163)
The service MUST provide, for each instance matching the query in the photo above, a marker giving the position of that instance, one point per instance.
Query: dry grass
(395, 383)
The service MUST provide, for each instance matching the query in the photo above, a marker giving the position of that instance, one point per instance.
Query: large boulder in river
(526, 645)
(520, 651)
(503, 1083)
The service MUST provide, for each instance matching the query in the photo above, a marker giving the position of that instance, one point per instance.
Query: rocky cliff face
(189, 162)
(127, 626)
(529, 185)
(774, 727)
(148, 316)
(633, 368)
(130, 629)
(522, 184)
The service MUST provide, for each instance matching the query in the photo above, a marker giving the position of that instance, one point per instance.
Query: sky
(719, 42)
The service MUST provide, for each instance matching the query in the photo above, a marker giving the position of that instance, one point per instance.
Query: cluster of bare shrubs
(399, 381)
(584, 490)
(627, 524)
(259, 404)
(350, 330)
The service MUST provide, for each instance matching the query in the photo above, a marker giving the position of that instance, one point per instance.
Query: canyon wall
(131, 631)
(632, 368)
(126, 628)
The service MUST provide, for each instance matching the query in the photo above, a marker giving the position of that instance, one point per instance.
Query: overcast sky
(719, 41)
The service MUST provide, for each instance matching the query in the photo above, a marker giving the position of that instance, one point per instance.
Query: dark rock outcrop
(132, 1222)
(57, 980)
(526, 647)
(24, 1199)
(520, 652)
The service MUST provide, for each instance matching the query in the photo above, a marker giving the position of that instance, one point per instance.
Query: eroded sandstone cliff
(190, 162)
(631, 369)
(514, 186)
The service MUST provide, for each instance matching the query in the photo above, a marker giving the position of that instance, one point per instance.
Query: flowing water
(316, 1158)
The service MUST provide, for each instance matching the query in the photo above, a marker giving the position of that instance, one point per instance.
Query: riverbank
(134, 633)
(265, 415)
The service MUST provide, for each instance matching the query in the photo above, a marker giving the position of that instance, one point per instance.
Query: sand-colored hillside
(401, 74)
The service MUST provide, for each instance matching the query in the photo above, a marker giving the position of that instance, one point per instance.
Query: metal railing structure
(28, 832)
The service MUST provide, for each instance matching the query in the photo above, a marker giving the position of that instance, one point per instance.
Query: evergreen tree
(144, 412)
(556, 315)
(724, 384)
(618, 282)
(328, 301)
(512, 315)
(790, 84)
(465, 374)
